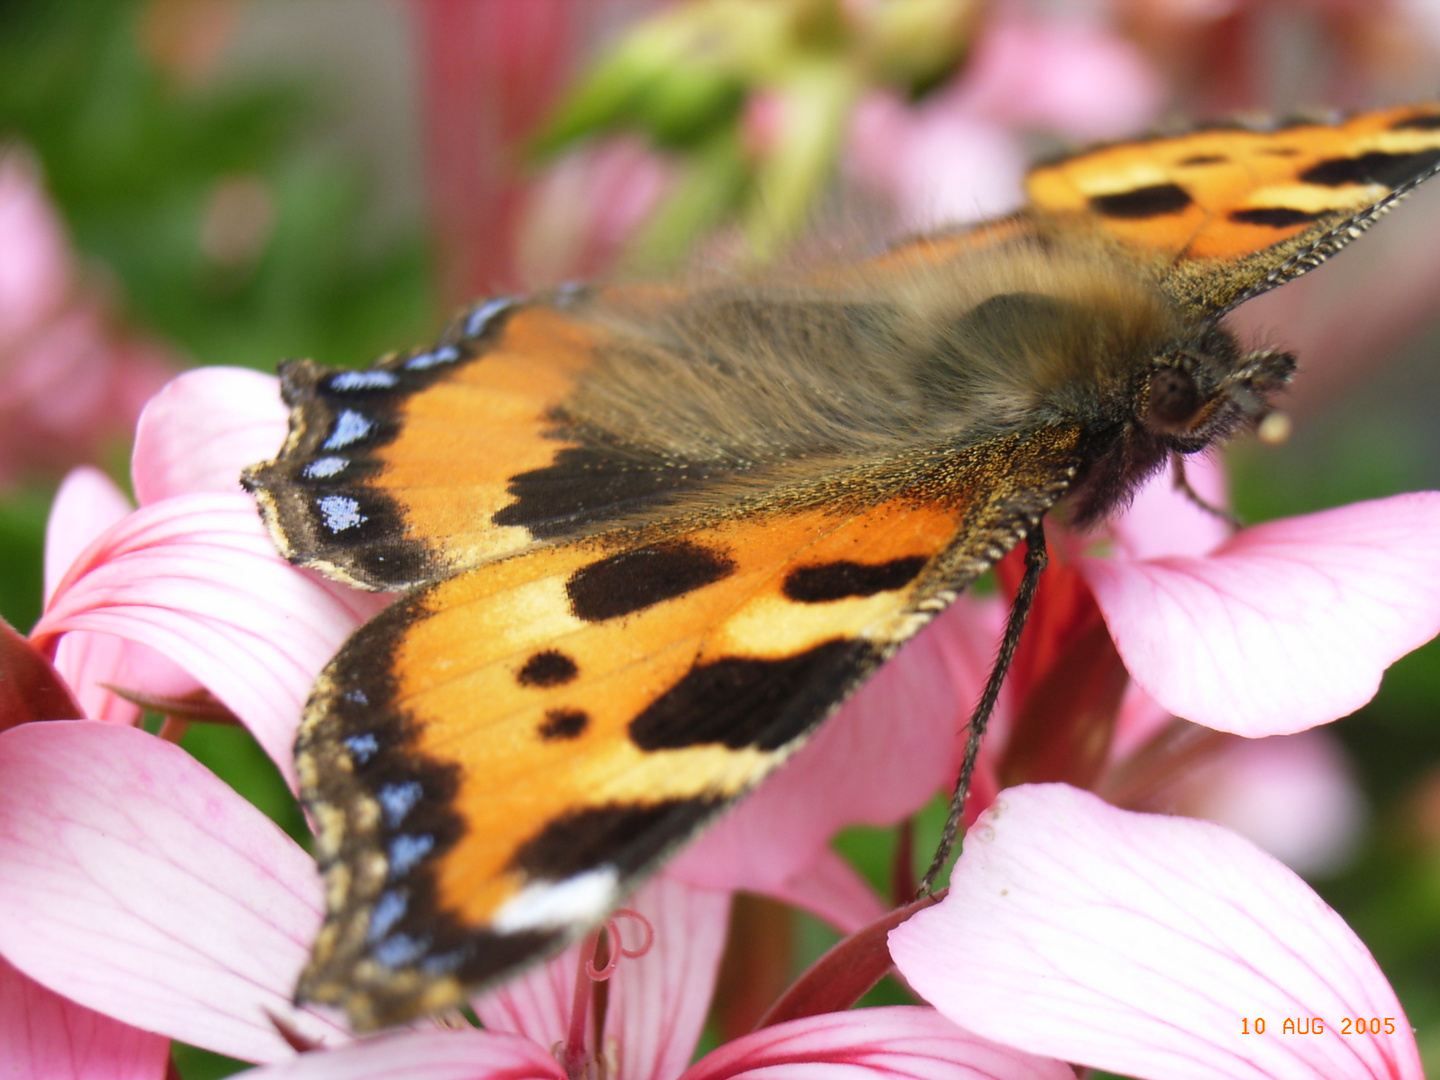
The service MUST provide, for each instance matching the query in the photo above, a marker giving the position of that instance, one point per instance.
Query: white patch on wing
(340, 512)
(551, 905)
(350, 427)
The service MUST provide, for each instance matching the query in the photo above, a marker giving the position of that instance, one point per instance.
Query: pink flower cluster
(71, 381)
(146, 901)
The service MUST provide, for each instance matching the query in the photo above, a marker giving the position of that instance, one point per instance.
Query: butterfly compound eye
(1173, 400)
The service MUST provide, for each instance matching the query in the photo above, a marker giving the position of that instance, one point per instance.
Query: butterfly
(650, 536)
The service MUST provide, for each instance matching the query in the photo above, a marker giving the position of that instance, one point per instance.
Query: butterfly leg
(1036, 559)
(1182, 485)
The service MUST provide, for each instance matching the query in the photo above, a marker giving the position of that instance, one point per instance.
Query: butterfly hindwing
(1229, 212)
(497, 758)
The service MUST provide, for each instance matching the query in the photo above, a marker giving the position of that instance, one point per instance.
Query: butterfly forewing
(442, 459)
(1229, 212)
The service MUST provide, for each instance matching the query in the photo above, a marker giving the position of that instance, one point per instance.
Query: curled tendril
(617, 943)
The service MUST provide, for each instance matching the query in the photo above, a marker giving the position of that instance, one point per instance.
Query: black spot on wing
(842, 580)
(740, 702)
(1417, 123)
(627, 837)
(1391, 170)
(587, 484)
(548, 668)
(1278, 217)
(1156, 200)
(364, 744)
(635, 580)
(564, 724)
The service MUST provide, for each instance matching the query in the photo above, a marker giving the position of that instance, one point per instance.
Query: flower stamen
(616, 944)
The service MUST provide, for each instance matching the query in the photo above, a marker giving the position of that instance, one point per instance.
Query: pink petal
(901, 1041)
(939, 162)
(658, 1001)
(878, 760)
(1142, 944)
(206, 425)
(35, 262)
(1081, 82)
(1288, 625)
(1163, 521)
(196, 578)
(94, 663)
(136, 883)
(833, 890)
(45, 1037)
(425, 1055)
(1141, 718)
(87, 503)
(580, 211)
(537, 1004)
(74, 386)
(1296, 796)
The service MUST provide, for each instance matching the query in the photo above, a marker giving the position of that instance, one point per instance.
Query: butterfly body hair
(755, 381)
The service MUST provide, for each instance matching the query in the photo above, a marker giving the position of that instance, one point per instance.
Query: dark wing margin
(322, 497)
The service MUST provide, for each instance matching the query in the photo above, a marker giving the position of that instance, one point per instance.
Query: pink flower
(184, 593)
(959, 155)
(1285, 625)
(1280, 628)
(133, 877)
(187, 592)
(1295, 795)
(1151, 946)
(71, 381)
(43, 1035)
(139, 884)
(581, 211)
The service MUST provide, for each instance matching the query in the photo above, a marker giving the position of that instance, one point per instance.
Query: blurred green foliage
(751, 98)
(134, 157)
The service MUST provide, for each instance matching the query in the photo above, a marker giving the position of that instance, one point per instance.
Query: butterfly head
(1196, 393)
(1201, 393)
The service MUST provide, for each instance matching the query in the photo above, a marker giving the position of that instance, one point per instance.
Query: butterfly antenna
(1036, 559)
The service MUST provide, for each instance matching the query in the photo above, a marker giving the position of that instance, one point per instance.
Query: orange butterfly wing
(495, 759)
(1230, 212)
(430, 463)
